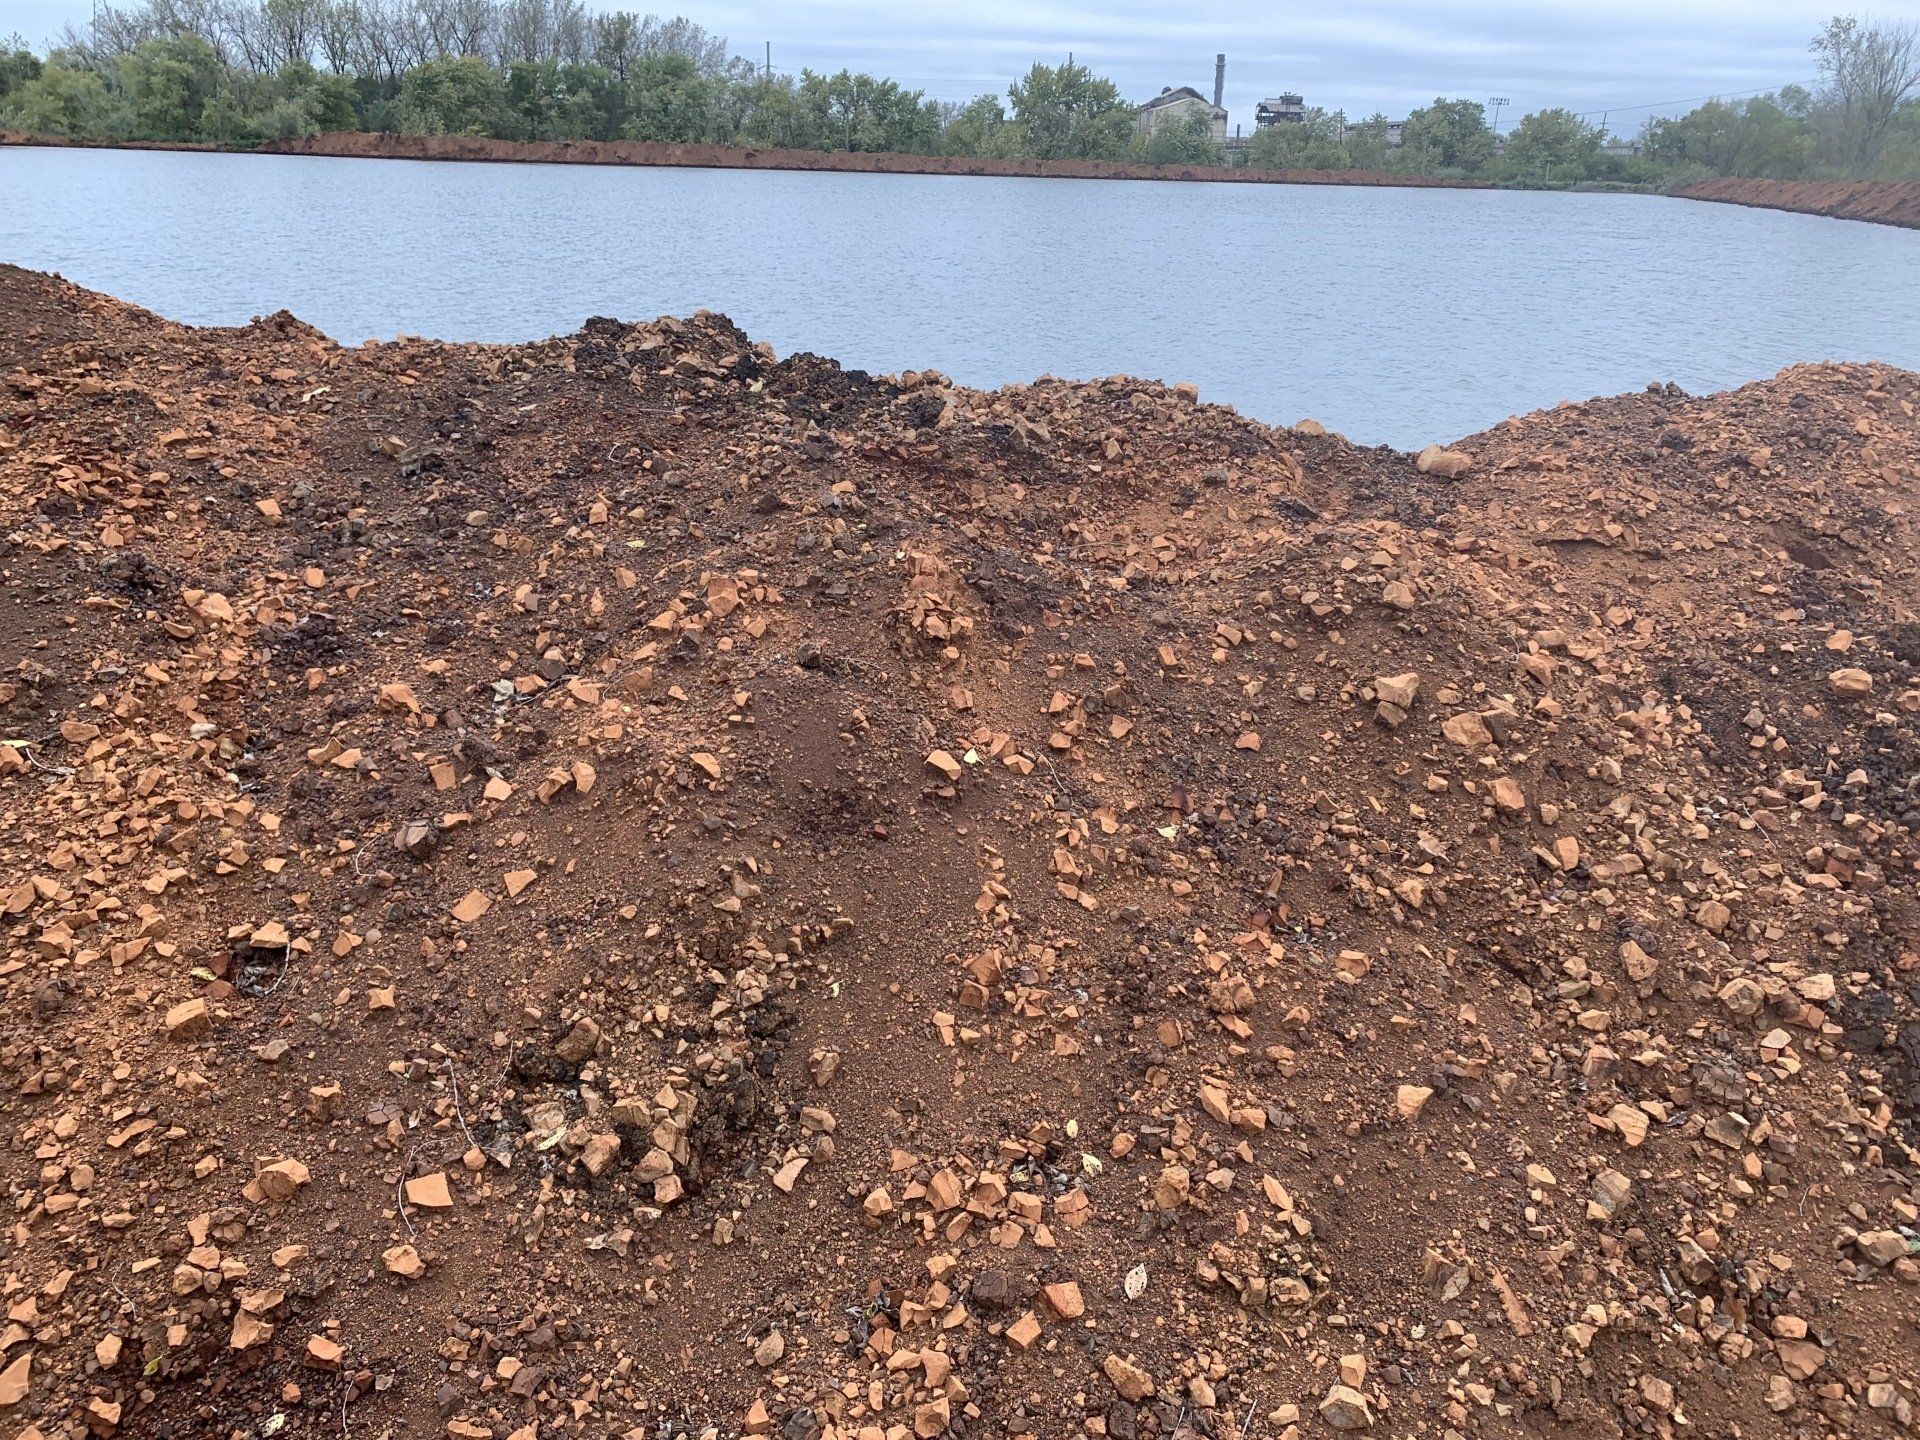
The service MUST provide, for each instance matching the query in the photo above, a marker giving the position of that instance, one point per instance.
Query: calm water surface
(1396, 316)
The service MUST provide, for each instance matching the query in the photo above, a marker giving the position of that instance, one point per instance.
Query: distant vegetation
(236, 72)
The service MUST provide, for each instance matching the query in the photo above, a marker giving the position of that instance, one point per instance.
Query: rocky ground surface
(617, 887)
(1885, 202)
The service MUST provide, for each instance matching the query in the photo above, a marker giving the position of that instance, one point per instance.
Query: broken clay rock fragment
(1345, 1408)
(1128, 1378)
(1447, 464)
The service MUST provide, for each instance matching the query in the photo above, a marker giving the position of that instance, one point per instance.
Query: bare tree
(335, 32)
(382, 39)
(680, 36)
(543, 30)
(282, 32)
(113, 31)
(470, 26)
(438, 29)
(1869, 67)
(379, 40)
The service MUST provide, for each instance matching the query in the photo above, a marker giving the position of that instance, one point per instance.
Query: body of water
(1393, 316)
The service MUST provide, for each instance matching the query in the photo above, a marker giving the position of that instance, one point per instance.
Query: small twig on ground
(286, 964)
(39, 764)
(453, 1081)
(400, 1192)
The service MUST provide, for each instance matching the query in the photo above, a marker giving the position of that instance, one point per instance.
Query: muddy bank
(629, 886)
(1884, 202)
(363, 145)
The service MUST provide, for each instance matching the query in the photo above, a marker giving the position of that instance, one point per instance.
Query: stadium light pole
(1499, 103)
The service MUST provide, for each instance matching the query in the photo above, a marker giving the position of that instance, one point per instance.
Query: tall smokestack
(1219, 78)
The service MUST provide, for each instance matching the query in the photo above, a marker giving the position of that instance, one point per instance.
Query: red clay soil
(1884, 202)
(623, 887)
(357, 144)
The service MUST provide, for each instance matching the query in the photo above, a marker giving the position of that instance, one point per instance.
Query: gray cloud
(1628, 58)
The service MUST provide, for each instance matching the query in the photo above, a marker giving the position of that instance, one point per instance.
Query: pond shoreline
(367, 145)
(1877, 202)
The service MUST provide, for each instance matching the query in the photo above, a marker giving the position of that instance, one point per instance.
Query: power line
(1691, 100)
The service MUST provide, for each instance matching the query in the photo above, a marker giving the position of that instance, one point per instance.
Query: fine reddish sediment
(1883, 202)
(622, 885)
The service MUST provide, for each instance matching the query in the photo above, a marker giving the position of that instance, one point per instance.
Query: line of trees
(1862, 121)
(236, 72)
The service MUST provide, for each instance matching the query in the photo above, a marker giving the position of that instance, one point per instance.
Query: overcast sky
(1628, 58)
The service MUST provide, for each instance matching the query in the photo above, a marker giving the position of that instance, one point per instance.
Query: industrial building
(1281, 110)
(1175, 105)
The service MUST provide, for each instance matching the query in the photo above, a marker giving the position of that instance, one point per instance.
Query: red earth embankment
(731, 157)
(1885, 202)
(367, 145)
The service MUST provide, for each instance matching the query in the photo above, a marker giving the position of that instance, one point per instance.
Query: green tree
(1314, 142)
(63, 99)
(861, 112)
(1710, 135)
(979, 128)
(177, 89)
(1900, 160)
(1552, 144)
(459, 96)
(1068, 112)
(1370, 144)
(590, 103)
(766, 110)
(551, 100)
(312, 101)
(1766, 135)
(1448, 135)
(1186, 141)
(18, 65)
(666, 100)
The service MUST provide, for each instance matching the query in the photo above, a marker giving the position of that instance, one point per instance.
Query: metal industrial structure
(1286, 109)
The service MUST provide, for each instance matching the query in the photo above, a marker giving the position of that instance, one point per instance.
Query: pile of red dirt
(624, 886)
(1884, 202)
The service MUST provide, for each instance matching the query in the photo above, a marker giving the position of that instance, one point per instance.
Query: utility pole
(769, 60)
